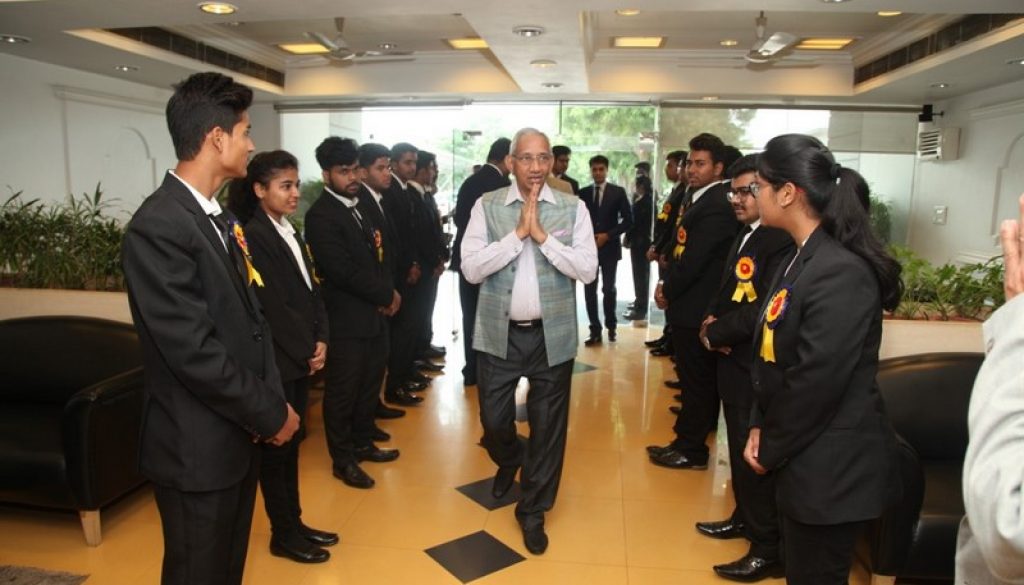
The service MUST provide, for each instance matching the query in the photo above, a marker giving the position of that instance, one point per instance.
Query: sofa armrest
(100, 428)
(891, 536)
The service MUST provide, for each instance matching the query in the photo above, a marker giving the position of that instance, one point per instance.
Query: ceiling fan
(768, 49)
(341, 55)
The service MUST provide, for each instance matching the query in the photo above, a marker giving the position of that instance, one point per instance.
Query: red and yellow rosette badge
(746, 267)
(772, 317)
(680, 242)
(239, 236)
(379, 245)
(665, 209)
(312, 266)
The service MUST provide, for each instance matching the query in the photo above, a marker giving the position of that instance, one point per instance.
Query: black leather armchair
(71, 397)
(927, 397)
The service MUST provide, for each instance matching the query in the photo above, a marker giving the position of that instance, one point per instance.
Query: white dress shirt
(704, 189)
(753, 228)
(287, 232)
(481, 258)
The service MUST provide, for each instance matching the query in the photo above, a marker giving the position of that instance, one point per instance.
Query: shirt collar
(284, 227)
(209, 206)
(400, 181)
(755, 225)
(514, 194)
(345, 200)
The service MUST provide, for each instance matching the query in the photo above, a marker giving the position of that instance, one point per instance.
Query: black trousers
(699, 413)
(206, 534)
(547, 409)
(279, 470)
(468, 295)
(641, 277)
(355, 370)
(755, 494)
(607, 268)
(426, 335)
(819, 554)
(405, 334)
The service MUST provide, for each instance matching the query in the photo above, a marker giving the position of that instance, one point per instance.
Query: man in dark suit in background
(663, 222)
(609, 211)
(559, 167)
(491, 177)
(425, 183)
(359, 293)
(213, 392)
(638, 239)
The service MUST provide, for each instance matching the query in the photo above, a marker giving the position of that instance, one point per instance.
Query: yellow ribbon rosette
(680, 242)
(312, 266)
(746, 267)
(665, 209)
(772, 317)
(378, 244)
(239, 235)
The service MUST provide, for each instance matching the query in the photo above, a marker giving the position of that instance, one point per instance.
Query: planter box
(30, 302)
(904, 337)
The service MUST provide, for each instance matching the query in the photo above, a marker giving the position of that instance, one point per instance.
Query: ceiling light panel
(824, 44)
(304, 48)
(218, 8)
(638, 42)
(467, 43)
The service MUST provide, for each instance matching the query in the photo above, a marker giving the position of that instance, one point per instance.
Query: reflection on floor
(618, 518)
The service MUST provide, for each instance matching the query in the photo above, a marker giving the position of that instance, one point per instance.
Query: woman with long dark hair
(290, 295)
(819, 423)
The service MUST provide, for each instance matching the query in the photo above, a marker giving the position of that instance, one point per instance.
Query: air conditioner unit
(937, 143)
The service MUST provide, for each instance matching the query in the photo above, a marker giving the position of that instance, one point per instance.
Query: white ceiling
(689, 66)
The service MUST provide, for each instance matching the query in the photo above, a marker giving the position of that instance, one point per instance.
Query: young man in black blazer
(638, 239)
(611, 217)
(560, 165)
(213, 392)
(360, 295)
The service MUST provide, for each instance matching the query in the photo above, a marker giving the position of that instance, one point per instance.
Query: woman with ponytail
(289, 292)
(818, 422)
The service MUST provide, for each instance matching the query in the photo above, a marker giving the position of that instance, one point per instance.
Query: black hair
(335, 151)
(201, 103)
(643, 165)
(598, 159)
(560, 150)
(709, 143)
(370, 152)
(242, 199)
(499, 150)
(424, 158)
(401, 148)
(742, 165)
(836, 194)
(730, 154)
(676, 155)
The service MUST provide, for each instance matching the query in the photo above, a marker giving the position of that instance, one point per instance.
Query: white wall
(981, 187)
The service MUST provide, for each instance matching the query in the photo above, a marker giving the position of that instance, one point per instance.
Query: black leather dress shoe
(299, 550)
(660, 352)
(659, 450)
(434, 352)
(402, 398)
(674, 384)
(675, 409)
(380, 435)
(611, 335)
(678, 397)
(318, 537)
(675, 460)
(386, 412)
(428, 366)
(652, 343)
(536, 540)
(376, 454)
(750, 569)
(414, 386)
(354, 476)
(420, 378)
(594, 339)
(723, 529)
(503, 480)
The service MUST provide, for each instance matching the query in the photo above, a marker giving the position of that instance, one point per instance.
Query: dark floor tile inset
(480, 492)
(474, 555)
(580, 367)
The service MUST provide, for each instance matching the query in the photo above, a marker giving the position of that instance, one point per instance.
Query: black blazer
(296, 313)
(691, 280)
(211, 382)
(369, 208)
(824, 430)
(734, 327)
(664, 229)
(487, 179)
(354, 280)
(639, 234)
(406, 215)
(613, 217)
(573, 183)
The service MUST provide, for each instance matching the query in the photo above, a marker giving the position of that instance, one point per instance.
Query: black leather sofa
(71, 399)
(927, 397)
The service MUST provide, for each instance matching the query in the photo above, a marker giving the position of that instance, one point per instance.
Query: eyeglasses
(741, 192)
(529, 159)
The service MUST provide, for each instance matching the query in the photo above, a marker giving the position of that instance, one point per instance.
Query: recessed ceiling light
(467, 43)
(940, 85)
(728, 42)
(304, 48)
(710, 98)
(528, 30)
(824, 44)
(889, 12)
(14, 39)
(126, 68)
(551, 85)
(627, 12)
(1015, 62)
(219, 8)
(543, 63)
(388, 46)
(638, 42)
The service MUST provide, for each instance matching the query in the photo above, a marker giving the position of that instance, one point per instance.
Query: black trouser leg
(641, 278)
(590, 299)
(373, 356)
(609, 292)
(426, 336)
(696, 368)
(755, 494)
(340, 388)
(468, 294)
(404, 335)
(819, 554)
(279, 470)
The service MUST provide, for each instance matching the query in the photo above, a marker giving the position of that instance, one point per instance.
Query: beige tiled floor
(618, 520)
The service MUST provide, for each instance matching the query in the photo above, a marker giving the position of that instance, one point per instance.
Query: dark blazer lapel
(282, 247)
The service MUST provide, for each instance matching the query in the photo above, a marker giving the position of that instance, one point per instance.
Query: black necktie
(222, 227)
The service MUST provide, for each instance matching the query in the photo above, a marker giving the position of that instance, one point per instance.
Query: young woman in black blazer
(818, 422)
(290, 297)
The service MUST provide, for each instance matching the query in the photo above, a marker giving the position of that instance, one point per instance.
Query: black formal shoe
(300, 550)
(536, 540)
(660, 352)
(428, 366)
(438, 348)
(354, 476)
(433, 352)
(318, 537)
(723, 529)
(674, 384)
(658, 449)
(652, 343)
(675, 409)
(503, 481)
(750, 569)
(420, 378)
(631, 316)
(385, 411)
(675, 460)
(402, 398)
(611, 335)
(414, 386)
(594, 339)
(678, 397)
(376, 454)
(380, 435)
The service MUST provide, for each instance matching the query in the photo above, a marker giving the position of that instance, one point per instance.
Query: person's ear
(788, 194)
(260, 190)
